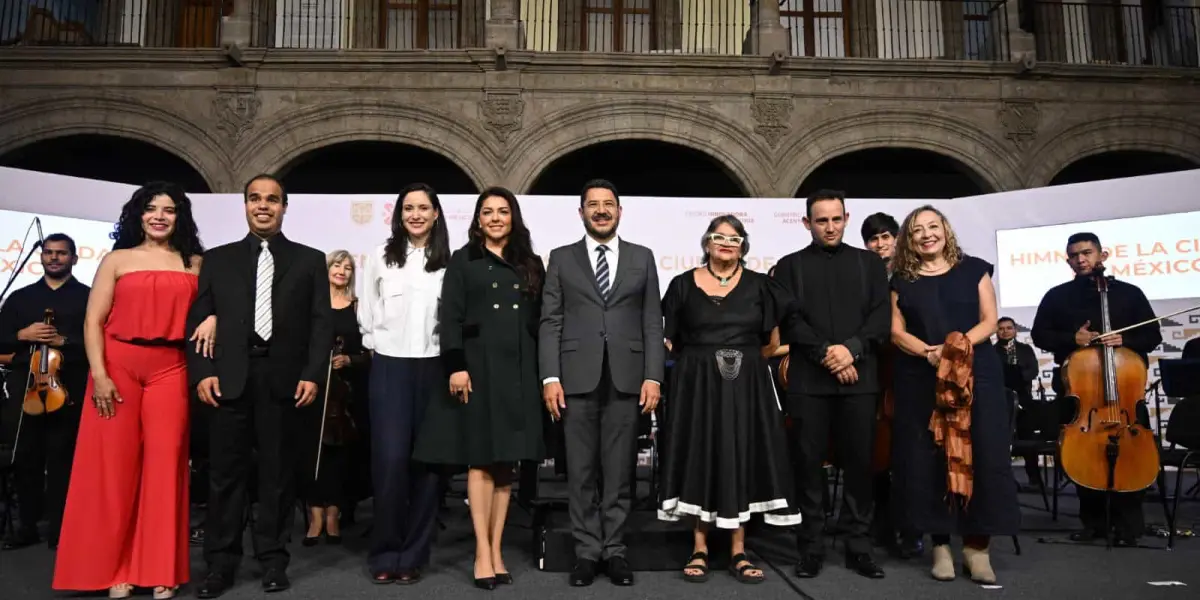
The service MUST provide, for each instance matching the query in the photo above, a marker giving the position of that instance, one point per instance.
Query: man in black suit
(1020, 369)
(270, 297)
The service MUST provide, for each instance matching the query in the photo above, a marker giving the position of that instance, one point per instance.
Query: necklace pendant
(725, 282)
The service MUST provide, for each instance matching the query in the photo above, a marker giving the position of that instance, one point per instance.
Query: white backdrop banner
(1149, 221)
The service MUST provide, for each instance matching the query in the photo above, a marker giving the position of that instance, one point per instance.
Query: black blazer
(302, 316)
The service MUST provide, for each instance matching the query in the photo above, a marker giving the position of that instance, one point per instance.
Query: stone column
(235, 29)
(502, 29)
(769, 33)
(1021, 43)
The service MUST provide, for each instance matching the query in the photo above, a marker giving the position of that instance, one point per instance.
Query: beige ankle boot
(943, 563)
(978, 565)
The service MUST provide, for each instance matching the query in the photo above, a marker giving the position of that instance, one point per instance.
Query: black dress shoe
(485, 583)
(275, 580)
(213, 586)
(1087, 535)
(333, 540)
(21, 540)
(864, 565)
(810, 565)
(909, 547)
(619, 572)
(584, 573)
(504, 578)
(309, 542)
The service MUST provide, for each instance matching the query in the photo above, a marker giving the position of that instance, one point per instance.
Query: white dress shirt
(612, 255)
(398, 310)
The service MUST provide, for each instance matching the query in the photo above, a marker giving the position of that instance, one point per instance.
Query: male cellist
(1069, 318)
(46, 446)
(879, 233)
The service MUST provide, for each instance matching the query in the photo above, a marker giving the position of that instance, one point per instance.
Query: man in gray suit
(601, 355)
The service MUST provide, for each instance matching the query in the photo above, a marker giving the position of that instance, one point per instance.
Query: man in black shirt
(1069, 318)
(842, 321)
(1020, 369)
(46, 445)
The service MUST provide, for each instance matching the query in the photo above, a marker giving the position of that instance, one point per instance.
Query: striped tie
(262, 301)
(602, 272)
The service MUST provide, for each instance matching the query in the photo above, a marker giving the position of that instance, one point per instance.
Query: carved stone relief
(1020, 119)
(772, 118)
(502, 113)
(235, 112)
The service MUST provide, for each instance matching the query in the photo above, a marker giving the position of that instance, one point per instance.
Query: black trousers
(45, 452)
(601, 438)
(251, 431)
(406, 493)
(850, 420)
(1127, 518)
(1128, 521)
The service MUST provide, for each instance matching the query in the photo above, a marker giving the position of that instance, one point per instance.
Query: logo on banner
(361, 211)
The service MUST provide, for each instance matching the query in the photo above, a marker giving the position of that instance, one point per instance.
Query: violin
(45, 392)
(339, 427)
(1105, 448)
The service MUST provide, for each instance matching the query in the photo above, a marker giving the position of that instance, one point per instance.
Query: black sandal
(740, 572)
(702, 567)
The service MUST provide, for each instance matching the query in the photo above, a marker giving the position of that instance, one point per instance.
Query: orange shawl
(951, 419)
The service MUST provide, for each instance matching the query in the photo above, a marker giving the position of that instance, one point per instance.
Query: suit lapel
(284, 255)
(580, 250)
(248, 269)
(622, 268)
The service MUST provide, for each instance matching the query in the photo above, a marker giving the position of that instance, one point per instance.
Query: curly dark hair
(185, 239)
(519, 249)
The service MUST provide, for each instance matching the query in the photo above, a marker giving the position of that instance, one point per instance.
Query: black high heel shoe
(504, 578)
(310, 541)
(486, 583)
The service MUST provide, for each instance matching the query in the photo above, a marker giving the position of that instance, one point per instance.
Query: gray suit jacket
(577, 327)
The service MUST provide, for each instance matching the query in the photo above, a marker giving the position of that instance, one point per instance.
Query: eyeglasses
(726, 240)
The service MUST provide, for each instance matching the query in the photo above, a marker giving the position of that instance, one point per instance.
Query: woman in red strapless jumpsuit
(126, 518)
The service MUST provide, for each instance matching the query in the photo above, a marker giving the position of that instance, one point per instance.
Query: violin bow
(20, 420)
(324, 410)
(1146, 322)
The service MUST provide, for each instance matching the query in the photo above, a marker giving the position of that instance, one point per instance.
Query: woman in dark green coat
(491, 417)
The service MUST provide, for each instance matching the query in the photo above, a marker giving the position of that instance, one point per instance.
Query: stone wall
(505, 118)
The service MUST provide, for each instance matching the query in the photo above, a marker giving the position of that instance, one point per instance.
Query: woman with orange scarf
(951, 465)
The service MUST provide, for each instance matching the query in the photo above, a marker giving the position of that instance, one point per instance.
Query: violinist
(46, 445)
(338, 433)
(1069, 318)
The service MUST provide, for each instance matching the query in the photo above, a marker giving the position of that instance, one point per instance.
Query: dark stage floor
(1053, 571)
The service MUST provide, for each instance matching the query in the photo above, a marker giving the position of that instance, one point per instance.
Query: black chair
(1183, 433)
(1048, 418)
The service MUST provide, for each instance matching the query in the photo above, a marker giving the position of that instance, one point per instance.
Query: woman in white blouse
(398, 315)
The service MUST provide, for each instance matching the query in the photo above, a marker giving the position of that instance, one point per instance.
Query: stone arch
(293, 134)
(953, 137)
(1127, 132)
(49, 118)
(686, 125)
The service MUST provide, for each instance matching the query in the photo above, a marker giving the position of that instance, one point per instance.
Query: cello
(1104, 448)
(44, 391)
(885, 410)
